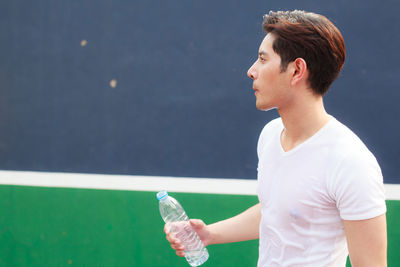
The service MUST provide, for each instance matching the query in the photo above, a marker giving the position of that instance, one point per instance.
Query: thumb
(197, 224)
(201, 229)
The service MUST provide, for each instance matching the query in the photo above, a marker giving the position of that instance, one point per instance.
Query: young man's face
(271, 86)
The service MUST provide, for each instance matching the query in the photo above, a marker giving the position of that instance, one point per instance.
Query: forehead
(266, 44)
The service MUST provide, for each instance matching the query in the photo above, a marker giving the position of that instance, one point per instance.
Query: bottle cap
(162, 194)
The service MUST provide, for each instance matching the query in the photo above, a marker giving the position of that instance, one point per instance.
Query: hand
(198, 225)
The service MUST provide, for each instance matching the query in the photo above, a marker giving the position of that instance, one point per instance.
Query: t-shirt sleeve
(357, 187)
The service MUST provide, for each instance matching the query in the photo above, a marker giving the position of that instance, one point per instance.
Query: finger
(167, 228)
(175, 242)
(172, 238)
(177, 247)
(180, 253)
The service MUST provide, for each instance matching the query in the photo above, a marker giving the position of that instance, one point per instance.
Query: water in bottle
(175, 217)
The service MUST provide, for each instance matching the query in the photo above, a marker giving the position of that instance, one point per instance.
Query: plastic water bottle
(174, 216)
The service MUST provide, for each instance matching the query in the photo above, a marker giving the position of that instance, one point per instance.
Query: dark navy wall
(182, 104)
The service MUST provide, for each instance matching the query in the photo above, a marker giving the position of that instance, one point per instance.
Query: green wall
(84, 227)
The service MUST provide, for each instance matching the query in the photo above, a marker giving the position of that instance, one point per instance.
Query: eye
(261, 57)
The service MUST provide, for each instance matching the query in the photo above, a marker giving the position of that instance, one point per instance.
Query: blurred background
(159, 89)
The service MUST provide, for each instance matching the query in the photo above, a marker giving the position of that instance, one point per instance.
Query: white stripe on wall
(144, 183)
(127, 182)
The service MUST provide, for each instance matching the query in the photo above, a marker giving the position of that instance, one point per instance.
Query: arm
(367, 242)
(244, 226)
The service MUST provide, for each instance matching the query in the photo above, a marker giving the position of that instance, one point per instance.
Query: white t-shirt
(305, 194)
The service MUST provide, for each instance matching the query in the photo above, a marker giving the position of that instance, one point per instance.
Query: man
(320, 189)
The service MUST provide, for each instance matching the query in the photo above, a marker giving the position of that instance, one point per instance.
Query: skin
(367, 241)
(303, 114)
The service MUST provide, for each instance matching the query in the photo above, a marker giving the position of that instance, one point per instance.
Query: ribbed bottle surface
(175, 217)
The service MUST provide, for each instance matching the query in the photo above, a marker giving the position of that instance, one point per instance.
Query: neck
(302, 120)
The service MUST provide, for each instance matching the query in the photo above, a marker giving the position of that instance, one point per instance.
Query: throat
(290, 140)
(290, 143)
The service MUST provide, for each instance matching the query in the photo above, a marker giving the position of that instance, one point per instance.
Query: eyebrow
(262, 53)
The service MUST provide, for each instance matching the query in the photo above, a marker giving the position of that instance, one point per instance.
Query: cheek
(270, 79)
(270, 71)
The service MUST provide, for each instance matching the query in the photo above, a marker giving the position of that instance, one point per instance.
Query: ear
(299, 71)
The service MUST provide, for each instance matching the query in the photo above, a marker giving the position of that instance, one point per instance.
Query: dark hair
(310, 36)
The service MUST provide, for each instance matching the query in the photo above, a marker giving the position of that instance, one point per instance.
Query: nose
(252, 73)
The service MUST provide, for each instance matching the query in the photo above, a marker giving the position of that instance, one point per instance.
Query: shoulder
(347, 147)
(354, 178)
(347, 152)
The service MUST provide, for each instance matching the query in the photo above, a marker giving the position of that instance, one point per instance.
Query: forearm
(244, 226)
